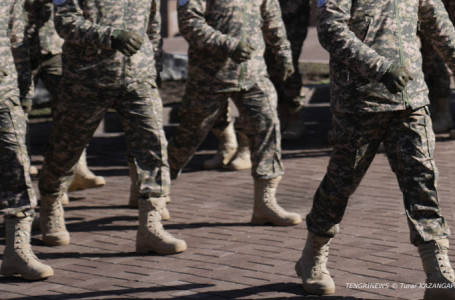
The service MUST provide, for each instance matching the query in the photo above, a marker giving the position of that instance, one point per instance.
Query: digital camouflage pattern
(364, 38)
(213, 30)
(355, 138)
(87, 27)
(95, 78)
(437, 76)
(199, 111)
(296, 18)
(45, 46)
(364, 45)
(435, 71)
(16, 191)
(42, 36)
(14, 55)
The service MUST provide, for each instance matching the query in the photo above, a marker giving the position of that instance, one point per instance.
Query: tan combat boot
(295, 127)
(226, 149)
(83, 177)
(242, 160)
(437, 267)
(65, 199)
(311, 267)
(135, 195)
(266, 208)
(442, 118)
(33, 171)
(18, 257)
(52, 221)
(151, 235)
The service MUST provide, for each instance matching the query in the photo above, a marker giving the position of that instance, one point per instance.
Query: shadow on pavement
(244, 293)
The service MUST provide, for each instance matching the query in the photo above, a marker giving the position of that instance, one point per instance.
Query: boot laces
(26, 254)
(156, 227)
(22, 246)
(320, 258)
(444, 265)
(273, 205)
(54, 218)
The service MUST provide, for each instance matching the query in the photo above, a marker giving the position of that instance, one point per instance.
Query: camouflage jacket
(213, 30)
(41, 34)
(365, 37)
(14, 54)
(87, 27)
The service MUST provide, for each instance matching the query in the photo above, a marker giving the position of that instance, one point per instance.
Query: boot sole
(264, 221)
(310, 289)
(55, 242)
(81, 188)
(144, 250)
(42, 276)
(317, 290)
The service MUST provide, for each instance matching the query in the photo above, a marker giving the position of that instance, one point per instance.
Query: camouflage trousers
(79, 114)
(200, 110)
(409, 142)
(225, 118)
(17, 196)
(296, 16)
(49, 70)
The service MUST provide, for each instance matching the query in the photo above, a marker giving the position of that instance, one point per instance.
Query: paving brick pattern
(228, 258)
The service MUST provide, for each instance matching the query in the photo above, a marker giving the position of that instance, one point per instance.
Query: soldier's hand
(243, 51)
(396, 78)
(2, 74)
(127, 42)
(288, 70)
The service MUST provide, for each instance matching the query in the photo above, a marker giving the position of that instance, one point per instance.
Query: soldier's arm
(436, 25)
(336, 37)
(198, 33)
(31, 17)
(274, 32)
(154, 34)
(73, 27)
(34, 21)
(20, 51)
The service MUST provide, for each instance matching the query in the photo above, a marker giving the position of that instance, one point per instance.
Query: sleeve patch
(183, 2)
(321, 3)
(58, 2)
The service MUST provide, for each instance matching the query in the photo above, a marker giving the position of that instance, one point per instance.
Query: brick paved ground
(228, 258)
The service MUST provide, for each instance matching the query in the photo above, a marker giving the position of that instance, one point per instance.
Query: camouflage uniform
(213, 30)
(45, 46)
(96, 77)
(291, 97)
(16, 191)
(361, 37)
(437, 76)
(296, 18)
